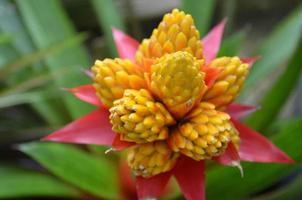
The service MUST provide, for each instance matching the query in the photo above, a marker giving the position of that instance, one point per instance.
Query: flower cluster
(170, 103)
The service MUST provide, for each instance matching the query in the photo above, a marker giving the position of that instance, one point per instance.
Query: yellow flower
(167, 108)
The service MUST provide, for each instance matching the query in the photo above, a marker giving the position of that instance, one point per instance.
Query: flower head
(170, 102)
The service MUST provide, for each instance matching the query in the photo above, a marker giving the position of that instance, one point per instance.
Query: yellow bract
(151, 159)
(229, 82)
(160, 101)
(112, 77)
(205, 133)
(177, 81)
(176, 32)
(138, 118)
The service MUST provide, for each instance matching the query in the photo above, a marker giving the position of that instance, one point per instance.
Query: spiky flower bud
(177, 81)
(112, 77)
(204, 133)
(151, 158)
(229, 82)
(176, 32)
(138, 118)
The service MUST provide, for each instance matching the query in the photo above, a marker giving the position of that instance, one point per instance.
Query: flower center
(177, 81)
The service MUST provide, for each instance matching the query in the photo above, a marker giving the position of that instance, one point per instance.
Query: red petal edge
(86, 93)
(126, 45)
(255, 147)
(239, 110)
(211, 42)
(152, 187)
(93, 128)
(119, 145)
(229, 157)
(250, 60)
(211, 75)
(190, 177)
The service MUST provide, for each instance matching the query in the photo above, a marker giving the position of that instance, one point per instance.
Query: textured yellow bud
(138, 118)
(176, 32)
(229, 82)
(112, 77)
(204, 133)
(151, 158)
(177, 81)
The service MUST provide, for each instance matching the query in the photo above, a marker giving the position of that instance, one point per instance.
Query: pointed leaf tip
(256, 148)
(93, 128)
(126, 45)
(87, 72)
(86, 93)
(239, 110)
(250, 60)
(212, 41)
(153, 187)
(190, 177)
(230, 155)
(230, 158)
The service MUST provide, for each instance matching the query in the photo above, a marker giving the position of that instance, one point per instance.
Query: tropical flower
(169, 101)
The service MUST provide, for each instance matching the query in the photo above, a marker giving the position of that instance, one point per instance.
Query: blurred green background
(46, 45)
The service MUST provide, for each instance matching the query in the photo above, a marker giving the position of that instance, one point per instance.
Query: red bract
(212, 40)
(238, 111)
(95, 128)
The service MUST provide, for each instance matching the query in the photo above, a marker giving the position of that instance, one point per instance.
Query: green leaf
(5, 38)
(40, 80)
(290, 191)
(278, 48)
(226, 181)
(273, 101)
(11, 24)
(108, 17)
(27, 97)
(202, 12)
(91, 174)
(232, 44)
(48, 24)
(7, 54)
(36, 56)
(16, 183)
(20, 44)
(228, 11)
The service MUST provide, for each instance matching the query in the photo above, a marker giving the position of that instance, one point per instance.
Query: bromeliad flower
(169, 101)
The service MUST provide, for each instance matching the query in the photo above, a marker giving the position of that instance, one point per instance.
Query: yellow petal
(112, 77)
(138, 118)
(204, 134)
(229, 82)
(176, 32)
(150, 159)
(177, 81)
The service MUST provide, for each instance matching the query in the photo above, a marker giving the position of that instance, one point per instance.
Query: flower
(170, 102)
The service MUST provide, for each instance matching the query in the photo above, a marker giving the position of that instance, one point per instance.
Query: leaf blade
(16, 183)
(44, 33)
(108, 17)
(98, 177)
(272, 103)
(257, 176)
(286, 37)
